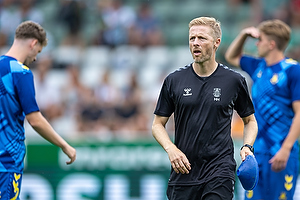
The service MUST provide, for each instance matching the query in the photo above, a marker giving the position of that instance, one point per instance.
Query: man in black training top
(202, 97)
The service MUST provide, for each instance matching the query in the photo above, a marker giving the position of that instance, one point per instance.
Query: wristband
(249, 146)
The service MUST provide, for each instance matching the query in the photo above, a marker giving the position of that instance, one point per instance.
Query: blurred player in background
(276, 98)
(202, 96)
(17, 101)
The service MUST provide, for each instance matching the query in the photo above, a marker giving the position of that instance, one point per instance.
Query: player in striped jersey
(17, 102)
(276, 97)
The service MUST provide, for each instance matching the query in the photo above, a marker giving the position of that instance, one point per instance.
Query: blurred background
(98, 80)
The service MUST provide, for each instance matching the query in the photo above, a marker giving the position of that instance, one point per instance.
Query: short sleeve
(249, 64)
(26, 92)
(294, 82)
(243, 104)
(165, 105)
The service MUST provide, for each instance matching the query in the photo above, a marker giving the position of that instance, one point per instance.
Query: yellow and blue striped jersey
(274, 90)
(17, 98)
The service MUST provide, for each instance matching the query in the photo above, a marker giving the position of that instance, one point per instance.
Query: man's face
(263, 45)
(202, 43)
(34, 50)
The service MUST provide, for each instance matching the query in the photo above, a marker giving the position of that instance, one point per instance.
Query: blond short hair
(276, 30)
(214, 24)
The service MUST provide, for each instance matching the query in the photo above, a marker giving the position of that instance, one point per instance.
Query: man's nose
(196, 41)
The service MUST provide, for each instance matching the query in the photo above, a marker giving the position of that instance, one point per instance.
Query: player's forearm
(294, 133)
(250, 130)
(43, 128)
(161, 136)
(48, 133)
(235, 50)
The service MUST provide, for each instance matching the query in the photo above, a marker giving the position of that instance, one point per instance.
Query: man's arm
(250, 133)
(279, 161)
(234, 52)
(42, 126)
(177, 158)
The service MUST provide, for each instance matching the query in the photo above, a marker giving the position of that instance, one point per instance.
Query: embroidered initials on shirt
(217, 94)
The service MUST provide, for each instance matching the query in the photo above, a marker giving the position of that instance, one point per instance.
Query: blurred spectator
(118, 20)
(294, 13)
(274, 9)
(90, 118)
(47, 90)
(281, 11)
(12, 13)
(106, 92)
(9, 19)
(70, 13)
(83, 107)
(129, 111)
(75, 95)
(28, 11)
(107, 96)
(146, 30)
(254, 7)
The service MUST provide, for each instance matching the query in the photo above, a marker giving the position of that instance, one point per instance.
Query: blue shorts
(274, 185)
(10, 185)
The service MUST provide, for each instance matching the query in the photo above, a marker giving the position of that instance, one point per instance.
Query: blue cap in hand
(248, 173)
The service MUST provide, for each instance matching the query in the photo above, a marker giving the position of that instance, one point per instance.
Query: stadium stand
(150, 63)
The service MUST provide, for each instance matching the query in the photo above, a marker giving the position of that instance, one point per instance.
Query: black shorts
(216, 189)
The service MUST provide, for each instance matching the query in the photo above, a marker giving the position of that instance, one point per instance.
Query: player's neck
(19, 50)
(16, 53)
(205, 69)
(274, 58)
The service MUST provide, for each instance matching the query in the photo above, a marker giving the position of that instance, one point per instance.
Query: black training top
(203, 110)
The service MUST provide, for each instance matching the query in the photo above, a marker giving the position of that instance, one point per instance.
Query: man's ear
(33, 43)
(217, 43)
(273, 44)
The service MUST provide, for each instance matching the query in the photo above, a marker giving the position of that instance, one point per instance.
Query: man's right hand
(179, 161)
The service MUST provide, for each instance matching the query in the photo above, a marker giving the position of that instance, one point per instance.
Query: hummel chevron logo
(187, 92)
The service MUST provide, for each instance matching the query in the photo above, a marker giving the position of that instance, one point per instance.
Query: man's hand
(245, 151)
(71, 153)
(251, 31)
(179, 161)
(279, 161)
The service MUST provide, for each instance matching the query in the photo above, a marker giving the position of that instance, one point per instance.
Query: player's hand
(179, 161)
(251, 31)
(71, 153)
(279, 161)
(245, 151)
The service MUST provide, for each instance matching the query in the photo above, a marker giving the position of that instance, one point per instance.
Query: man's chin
(27, 63)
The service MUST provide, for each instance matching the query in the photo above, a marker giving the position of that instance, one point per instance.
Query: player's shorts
(216, 189)
(274, 185)
(10, 185)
